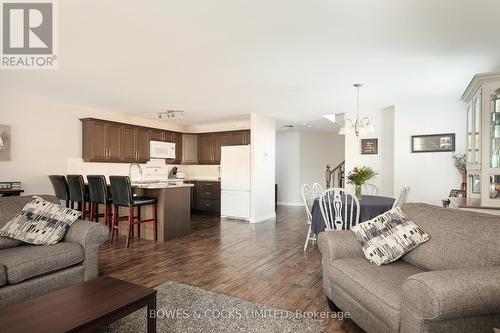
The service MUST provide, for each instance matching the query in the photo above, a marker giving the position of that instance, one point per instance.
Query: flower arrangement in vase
(360, 176)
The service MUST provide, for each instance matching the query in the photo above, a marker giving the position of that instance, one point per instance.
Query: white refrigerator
(235, 182)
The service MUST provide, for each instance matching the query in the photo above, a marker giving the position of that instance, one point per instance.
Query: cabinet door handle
(208, 193)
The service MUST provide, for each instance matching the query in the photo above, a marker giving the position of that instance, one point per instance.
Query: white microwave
(160, 149)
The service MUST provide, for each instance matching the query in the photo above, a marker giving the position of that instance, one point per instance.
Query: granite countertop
(201, 179)
(159, 185)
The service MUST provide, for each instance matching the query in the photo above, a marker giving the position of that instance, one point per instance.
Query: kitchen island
(174, 210)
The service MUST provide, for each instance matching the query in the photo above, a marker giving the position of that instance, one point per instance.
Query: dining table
(370, 206)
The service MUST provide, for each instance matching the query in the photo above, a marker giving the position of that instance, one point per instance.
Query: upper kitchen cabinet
(101, 141)
(220, 139)
(206, 148)
(142, 144)
(161, 135)
(240, 137)
(105, 141)
(177, 139)
(209, 144)
(189, 149)
(135, 144)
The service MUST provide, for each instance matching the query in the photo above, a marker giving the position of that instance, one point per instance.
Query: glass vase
(358, 191)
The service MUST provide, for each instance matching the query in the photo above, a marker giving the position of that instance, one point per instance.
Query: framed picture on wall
(433, 143)
(369, 146)
(5, 143)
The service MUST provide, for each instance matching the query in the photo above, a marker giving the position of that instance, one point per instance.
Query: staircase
(338, 175)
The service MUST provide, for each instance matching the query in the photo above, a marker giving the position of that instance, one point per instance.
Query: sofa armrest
(89, 235)
(453, 293)
(336, 244)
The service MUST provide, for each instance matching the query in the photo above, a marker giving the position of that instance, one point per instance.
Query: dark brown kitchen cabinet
(128, 144)
(240, 137)
(135, 144)
(161, 135)
(157, 135)
(205, 148)
(177, 139)
(142, 144)
(109, 141)
(101, 142)
(207, 196)
(220, 140)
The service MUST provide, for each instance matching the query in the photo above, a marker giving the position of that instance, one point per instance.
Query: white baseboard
(285, 203)
(263, 218)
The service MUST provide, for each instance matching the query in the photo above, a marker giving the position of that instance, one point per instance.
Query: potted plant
(360, 176)
(460, 161)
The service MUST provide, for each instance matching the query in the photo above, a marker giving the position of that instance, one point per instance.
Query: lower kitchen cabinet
(207, 196)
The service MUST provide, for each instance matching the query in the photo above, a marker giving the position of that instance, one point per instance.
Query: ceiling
(292, 60)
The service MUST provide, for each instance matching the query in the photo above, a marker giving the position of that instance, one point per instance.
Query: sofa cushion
(11, 206)
(40, 222)
(7, 243)
(377, 288)
(27, 261)
(459, 239)
(3, 275)
(389, 236)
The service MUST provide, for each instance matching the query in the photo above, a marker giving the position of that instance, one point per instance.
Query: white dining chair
(308, 198)
(333, 204)
(317, 190)
(369, 189)
(402, 197)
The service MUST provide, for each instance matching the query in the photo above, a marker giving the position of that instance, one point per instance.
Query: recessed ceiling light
(332, 117)
(307, 125)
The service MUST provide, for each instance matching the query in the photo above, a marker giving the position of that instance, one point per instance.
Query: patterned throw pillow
(40, 222)
(389, 236)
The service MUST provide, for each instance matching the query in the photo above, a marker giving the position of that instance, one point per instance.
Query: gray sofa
(449, 284)
(27, 271)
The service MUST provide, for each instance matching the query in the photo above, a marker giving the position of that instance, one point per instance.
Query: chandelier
(359, 126)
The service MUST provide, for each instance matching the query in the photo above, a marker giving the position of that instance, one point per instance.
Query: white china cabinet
(483, 138)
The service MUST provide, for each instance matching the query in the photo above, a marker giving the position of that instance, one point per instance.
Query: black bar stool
(98, 195)
(61, 189)
(121, 192)
(78, 193)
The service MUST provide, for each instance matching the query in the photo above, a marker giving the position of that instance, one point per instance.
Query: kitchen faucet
(130, 170)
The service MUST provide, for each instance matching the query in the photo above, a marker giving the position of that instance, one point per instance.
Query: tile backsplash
(152, 170)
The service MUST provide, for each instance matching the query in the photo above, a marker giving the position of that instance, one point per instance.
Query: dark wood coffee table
(83, 307)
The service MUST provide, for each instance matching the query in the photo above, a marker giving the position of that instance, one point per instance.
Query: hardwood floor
(262, 263)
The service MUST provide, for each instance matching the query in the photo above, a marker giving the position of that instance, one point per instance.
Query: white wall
(288, 167)
(431, 176)
(317, 149)
(301, 158)
(383, 163)
(263, 136)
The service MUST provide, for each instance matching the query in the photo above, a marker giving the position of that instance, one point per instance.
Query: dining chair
(60, 185)
(78, 194)
(308, 198)
(402, 197)
(121, 192)
(336, 205)
(317, 190)
(369, 189)
(98, 195)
